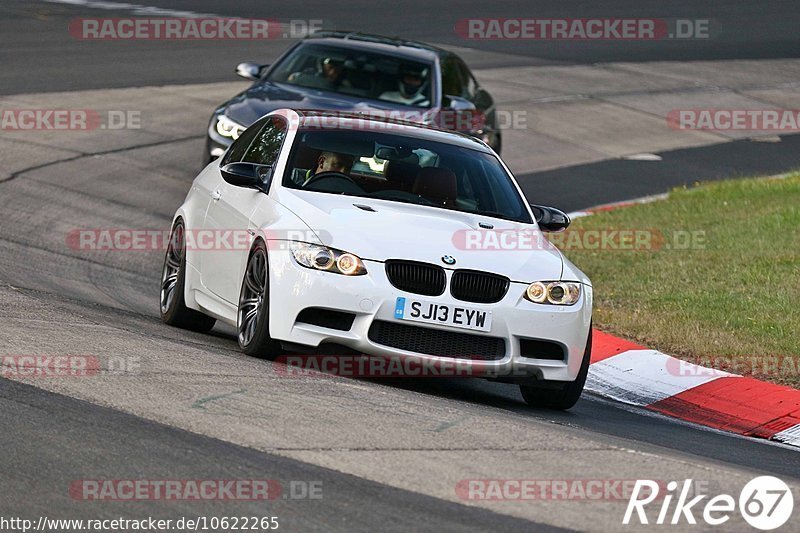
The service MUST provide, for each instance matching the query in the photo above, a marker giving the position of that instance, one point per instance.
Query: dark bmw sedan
(360, 73)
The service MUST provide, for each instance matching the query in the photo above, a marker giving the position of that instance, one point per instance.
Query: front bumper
(371, 297)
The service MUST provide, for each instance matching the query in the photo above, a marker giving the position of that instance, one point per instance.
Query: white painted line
(647, 199)
(643, 377)
(134, 9)
(559, 98)
(789, 436)
(623, 203)
(641, 200)
(642, 157)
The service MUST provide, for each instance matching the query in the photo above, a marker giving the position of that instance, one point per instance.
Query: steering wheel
(330, 174)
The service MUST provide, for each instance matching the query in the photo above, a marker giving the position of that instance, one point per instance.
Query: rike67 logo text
(765, 503)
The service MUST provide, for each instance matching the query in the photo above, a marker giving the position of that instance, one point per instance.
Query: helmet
(327, 62)
(408, 88)
(333, 61)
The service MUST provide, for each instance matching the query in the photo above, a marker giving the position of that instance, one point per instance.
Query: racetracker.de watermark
(148, 240)
(65, 365)
(507, 240)
(69, 119)
(778, 366)
(194, 489)
(192, 29)
(619, 239)
(522, 490)
(375, 366)
(48, 366)
(783, 120)
(582, 29)
(448, 119)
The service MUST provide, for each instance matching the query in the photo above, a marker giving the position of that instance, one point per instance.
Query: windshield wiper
(393, 199)
(495, 214)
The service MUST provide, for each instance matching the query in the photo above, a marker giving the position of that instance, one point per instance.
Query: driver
(410, 87)
(328, 75)
(326, 162)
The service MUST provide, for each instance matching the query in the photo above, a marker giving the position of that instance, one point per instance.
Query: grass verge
(715, 278)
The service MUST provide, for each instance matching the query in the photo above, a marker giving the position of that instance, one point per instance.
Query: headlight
(228, 128)
(327, 259)
(553, 292)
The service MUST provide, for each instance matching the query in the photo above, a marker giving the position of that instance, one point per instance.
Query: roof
(367, 41)
(348, 121)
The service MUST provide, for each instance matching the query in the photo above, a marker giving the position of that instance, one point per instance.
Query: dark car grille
(419, 278)
(437, 342)
(480, 287)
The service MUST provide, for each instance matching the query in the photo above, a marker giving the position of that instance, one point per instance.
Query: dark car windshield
(401, 168)
(356, 73)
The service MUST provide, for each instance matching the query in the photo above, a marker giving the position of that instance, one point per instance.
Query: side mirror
(248, 175)
(483, 97)
(460, 115)
(550, 219)
(249, 70)
(457, 103)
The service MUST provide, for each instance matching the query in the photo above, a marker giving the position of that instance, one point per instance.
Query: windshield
(402, 168)
(356, 73)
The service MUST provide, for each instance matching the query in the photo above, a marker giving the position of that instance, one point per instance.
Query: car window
(452, 83)
(470, 85)
(403, 168)
(357, 73)
(264, 148)
(239, 147)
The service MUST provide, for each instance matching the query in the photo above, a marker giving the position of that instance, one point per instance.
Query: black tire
(173, 280)
(252, 317)
(565, 397)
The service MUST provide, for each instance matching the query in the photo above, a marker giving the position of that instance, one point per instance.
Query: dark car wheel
(252, 318)
(564, 397)
(173, 280)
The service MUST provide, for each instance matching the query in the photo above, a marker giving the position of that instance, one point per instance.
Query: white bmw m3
(389, 239)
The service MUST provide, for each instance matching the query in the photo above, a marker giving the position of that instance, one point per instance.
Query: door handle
(216, 195)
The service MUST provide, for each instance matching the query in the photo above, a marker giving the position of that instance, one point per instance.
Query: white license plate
(454, 316)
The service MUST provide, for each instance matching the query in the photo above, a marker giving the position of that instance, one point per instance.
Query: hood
(393, 230)
(262, 98)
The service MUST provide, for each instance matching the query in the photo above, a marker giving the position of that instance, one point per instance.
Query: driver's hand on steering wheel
(328, 174)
